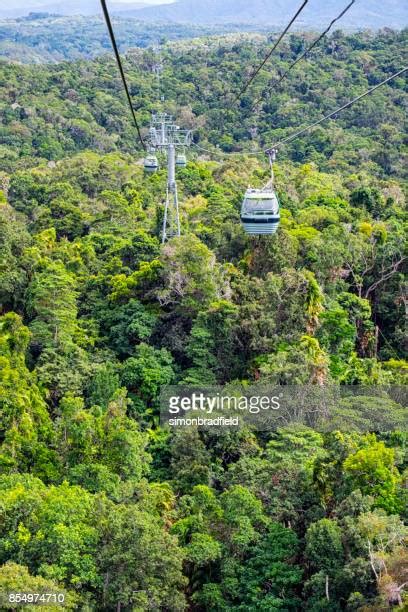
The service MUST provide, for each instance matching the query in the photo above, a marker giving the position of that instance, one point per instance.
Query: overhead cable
(308, 49)
(338, 110)
(268, 55)
(122, 73)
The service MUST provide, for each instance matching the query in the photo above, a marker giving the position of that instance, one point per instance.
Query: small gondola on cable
(181, 160)
(260, 207)
(151, 163)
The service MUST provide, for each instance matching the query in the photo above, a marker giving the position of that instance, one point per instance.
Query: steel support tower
(171, 219)
(165, 136)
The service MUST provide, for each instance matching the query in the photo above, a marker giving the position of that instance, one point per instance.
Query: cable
(306, 129)
(389, 344)
(157, 69)
(122, 74)
(268, 55)
(309, 49)
(338, 110)
(215, 153)
(225, 153)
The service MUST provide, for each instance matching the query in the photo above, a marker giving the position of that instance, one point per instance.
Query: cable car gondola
(181, 160)
(260, 211)
(151, 163)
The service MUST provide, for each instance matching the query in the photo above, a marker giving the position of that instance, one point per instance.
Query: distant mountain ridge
(371, 13)
(368, 14)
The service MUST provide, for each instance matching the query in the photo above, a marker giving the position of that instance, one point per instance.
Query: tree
(189, 463)
(324, 547)
(191, 277)
(373, 260)
(324, 551)
(13, 239)
(105, 443)
(132, 577)
(126, 325)
(62, 365)
(103, 385)
(337, 335)
(52, 303)
(144, 373)
(303, 363)
(269, 578)
(25, 426)
(38, 519)
(211, 344)
(372, 469)
(385, 537)
(368, 198)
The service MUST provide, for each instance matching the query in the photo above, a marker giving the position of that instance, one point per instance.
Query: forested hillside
(54, 111)
(43, 37)
(96, 316)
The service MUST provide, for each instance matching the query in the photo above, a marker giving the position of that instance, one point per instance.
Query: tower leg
(171, 219)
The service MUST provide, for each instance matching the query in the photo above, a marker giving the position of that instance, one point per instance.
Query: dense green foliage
(96, 316)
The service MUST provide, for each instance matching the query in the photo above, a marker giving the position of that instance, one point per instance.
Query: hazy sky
(144, 1)
(16, 4)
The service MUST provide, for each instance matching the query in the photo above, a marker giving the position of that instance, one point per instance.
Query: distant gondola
(181, 160)
(151, 163)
